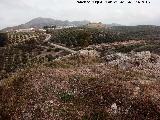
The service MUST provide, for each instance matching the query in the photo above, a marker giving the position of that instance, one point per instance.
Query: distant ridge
(114, 24)
(40, 22)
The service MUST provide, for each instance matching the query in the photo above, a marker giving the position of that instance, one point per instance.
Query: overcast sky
(15, 12)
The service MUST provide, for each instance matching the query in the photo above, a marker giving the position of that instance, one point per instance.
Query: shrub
(66, 96)
(57, 49)
(50, 57)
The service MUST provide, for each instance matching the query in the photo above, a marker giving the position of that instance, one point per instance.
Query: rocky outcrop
(88, 53)
(141, 61)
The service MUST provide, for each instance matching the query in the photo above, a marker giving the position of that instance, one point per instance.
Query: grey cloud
(14, 12)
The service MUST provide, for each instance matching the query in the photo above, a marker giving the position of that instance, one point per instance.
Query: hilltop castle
(96, 25)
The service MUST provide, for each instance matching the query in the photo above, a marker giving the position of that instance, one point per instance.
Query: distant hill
(114, 24)
(40, 22)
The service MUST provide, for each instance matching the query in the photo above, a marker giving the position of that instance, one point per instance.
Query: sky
(15, 12)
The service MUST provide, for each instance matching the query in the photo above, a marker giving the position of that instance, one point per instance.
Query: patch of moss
(66, 97)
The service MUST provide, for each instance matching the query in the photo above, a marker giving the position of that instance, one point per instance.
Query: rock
(144, 55)
(88, 53)
(114, 108)
(144, 61)
(51, 101)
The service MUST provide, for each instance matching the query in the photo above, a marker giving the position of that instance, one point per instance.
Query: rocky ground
(91, 84)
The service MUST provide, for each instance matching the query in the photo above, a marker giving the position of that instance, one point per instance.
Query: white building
(26, 30)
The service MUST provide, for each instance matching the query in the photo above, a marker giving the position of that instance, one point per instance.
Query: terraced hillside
(23, 50)
(22, 37)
